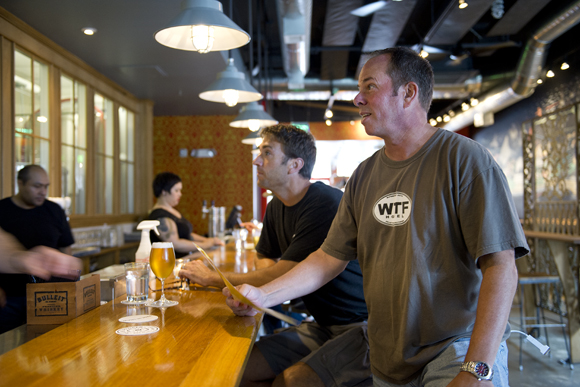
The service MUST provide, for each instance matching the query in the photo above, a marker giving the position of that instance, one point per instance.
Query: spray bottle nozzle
(149, 225)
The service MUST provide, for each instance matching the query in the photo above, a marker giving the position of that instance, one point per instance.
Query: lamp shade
(202, 26)
(254, 117)
(230, 87)
(253, 138)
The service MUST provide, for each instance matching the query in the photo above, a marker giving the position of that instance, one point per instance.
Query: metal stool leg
(522, 323)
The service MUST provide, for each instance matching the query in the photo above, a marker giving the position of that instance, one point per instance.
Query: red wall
(225, 178)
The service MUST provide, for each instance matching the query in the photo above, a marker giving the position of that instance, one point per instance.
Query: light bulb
(451, 113)
(231, 97)
(464, 106)
(565, 66)
(328, 113)
(328, 122)
(439, 119)
(89, 31)
(202, 38)
(254, 125)
(424, 54)
(550, 74)
(474, 101)
(433, 122)
(446, 118)
(539, 81)
(462, 4)
(351, 123)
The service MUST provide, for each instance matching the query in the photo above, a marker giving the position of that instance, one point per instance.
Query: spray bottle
(144, 250)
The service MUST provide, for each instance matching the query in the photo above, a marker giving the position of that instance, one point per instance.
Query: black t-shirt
(184, 227)
(292, 233)
(44, 225)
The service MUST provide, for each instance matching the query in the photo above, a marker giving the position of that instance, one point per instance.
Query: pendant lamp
(203, 27)
(230, 87)
(254, 117)
(253, 138)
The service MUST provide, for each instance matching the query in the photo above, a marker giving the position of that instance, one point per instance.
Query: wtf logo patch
(393, 209)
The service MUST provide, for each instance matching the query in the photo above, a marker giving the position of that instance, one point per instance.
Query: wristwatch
(479, 369)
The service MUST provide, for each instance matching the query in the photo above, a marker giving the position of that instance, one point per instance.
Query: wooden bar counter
(200, 342)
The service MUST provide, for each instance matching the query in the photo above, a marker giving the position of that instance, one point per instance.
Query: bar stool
(537, 279)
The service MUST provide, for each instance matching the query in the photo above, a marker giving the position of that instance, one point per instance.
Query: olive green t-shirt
(417, 228)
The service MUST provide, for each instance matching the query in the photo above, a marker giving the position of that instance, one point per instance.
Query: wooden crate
(59, 302)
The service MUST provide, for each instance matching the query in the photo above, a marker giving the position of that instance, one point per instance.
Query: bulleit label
(51, 303)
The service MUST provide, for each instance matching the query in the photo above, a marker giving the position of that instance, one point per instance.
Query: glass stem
(162, 291)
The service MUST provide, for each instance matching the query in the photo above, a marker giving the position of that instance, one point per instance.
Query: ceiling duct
(528, 71)
(294, 20)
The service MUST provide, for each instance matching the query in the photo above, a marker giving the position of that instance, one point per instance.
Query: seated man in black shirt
(34, 221)
(333, 350)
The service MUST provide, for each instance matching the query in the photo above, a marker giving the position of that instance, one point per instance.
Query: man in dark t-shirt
(34, 221)
(333, 350)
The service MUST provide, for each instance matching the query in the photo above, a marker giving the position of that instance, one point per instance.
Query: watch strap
(479, 369)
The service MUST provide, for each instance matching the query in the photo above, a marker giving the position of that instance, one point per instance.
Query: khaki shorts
(338, 354)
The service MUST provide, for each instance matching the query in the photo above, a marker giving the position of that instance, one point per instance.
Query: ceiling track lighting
(202, 26)
(230, 88)
(550, 74)
(253, 117)
(328, 122)
(328, 113)
(463, 4)
(565, 66)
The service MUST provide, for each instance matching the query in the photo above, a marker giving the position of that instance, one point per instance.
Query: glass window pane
(81, 115)
(99, 123)
(123, 188)
(22, 150)
(41, 99)
(109, 185)
(130, 134)
(130, 189)
(67, 172)
(109, 128)
(66, 111)
(80, 182)
(22, 93)
(123, 133)
(100, 184)
(41, 153)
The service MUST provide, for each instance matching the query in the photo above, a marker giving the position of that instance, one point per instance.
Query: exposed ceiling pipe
(317, 89)
(294, 20)
(528, 72)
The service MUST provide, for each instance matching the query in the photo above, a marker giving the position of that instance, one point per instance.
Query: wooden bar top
(200, 342)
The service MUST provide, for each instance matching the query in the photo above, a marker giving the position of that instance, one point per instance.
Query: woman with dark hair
(173, 227)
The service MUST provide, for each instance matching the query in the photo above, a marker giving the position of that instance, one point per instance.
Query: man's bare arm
(493, 307)
(306, 277)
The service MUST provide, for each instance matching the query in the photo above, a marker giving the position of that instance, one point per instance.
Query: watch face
(482, 369)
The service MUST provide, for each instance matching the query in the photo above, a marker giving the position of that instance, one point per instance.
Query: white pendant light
(203, 27)
(230, 87)
(254, 117)
(253, 138)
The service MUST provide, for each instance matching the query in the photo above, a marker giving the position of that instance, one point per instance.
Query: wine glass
(162, 262)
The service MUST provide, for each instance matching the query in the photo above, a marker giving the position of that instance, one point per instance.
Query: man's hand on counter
(199, 273)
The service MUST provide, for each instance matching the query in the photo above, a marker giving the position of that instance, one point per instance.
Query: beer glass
(162, 262)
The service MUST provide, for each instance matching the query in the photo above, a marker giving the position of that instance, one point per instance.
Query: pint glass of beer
(162, 262)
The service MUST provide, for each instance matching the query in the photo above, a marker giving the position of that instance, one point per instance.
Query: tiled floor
(540, 370)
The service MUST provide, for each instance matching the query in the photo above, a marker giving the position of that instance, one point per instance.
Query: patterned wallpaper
(225, 178)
